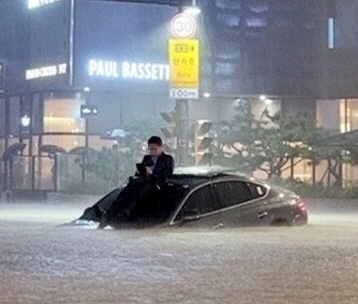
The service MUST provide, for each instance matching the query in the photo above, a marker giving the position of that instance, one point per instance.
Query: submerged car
(206, 198)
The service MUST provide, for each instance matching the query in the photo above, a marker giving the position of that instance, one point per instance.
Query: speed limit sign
(183, 26)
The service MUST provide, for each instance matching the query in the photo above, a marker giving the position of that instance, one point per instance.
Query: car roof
(207, 171)
(200, 174)
(190, 177)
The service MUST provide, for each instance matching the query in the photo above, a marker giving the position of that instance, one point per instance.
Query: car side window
(257, 190)
(231, 193)
(200, 200)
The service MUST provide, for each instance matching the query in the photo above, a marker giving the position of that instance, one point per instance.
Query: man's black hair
(156, 140)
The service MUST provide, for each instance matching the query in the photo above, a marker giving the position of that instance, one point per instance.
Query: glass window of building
(62, 114)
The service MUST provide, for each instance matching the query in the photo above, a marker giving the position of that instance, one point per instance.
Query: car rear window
(257, 190)
(231, 193)
(200, 200)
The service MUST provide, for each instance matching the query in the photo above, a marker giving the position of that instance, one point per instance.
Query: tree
(269, 143)
(114, 166)
(142, 129)
(235, 140)
(335, 157)
(110, 165)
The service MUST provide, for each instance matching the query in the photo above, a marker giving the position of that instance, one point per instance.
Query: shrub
(91, 188)
(317, 190)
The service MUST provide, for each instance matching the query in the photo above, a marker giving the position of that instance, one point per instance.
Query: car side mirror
(191, 215)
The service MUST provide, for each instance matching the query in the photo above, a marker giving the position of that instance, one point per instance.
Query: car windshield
(108, 199)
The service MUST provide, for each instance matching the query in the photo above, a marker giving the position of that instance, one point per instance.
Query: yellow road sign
(184, 63)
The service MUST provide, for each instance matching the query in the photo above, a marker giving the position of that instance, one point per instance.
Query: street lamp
(193, 9)
(262, 97)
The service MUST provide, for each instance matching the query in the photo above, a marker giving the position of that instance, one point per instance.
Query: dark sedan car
(202, 198)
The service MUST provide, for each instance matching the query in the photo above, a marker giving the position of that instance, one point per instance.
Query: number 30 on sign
(183, 26)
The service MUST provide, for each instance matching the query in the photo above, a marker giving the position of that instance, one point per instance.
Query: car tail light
(301, 204)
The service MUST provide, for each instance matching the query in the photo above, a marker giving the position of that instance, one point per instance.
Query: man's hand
(149, 171)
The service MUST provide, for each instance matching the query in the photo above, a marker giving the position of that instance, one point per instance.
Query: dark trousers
(129, 198)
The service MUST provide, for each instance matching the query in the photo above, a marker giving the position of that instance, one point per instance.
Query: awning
(343, 140)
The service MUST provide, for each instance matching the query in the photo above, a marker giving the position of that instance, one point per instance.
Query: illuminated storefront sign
(46, 71)
(37, 3)
(128, 70)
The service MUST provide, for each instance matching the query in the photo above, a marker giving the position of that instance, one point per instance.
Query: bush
(317, 190)
(90, 188)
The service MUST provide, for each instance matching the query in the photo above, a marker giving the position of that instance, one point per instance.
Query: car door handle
(261, 215)
(219, 225)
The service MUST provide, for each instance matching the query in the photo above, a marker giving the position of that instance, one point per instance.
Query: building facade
(61, 55)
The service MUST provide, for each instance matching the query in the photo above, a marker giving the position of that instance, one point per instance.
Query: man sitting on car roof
(154, 169)
(157, 163)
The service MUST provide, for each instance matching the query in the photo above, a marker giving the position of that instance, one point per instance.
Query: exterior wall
(346, 24)
(328, 114)
(339, 60)
(271, 47)
(104, 50)
(14, 44)
(2, 118)
(277, 48)
(117, 109)
(49, 67)
(109, 42)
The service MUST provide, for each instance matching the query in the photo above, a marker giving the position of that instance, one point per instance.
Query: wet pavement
(41, 262)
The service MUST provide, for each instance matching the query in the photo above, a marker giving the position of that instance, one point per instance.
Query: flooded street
(210, 113)
(41, 262)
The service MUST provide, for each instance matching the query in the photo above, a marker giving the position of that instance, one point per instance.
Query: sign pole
(182, 110)
(184, 76)
(86, 133)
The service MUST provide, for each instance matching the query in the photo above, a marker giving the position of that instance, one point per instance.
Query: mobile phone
(141, 168)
